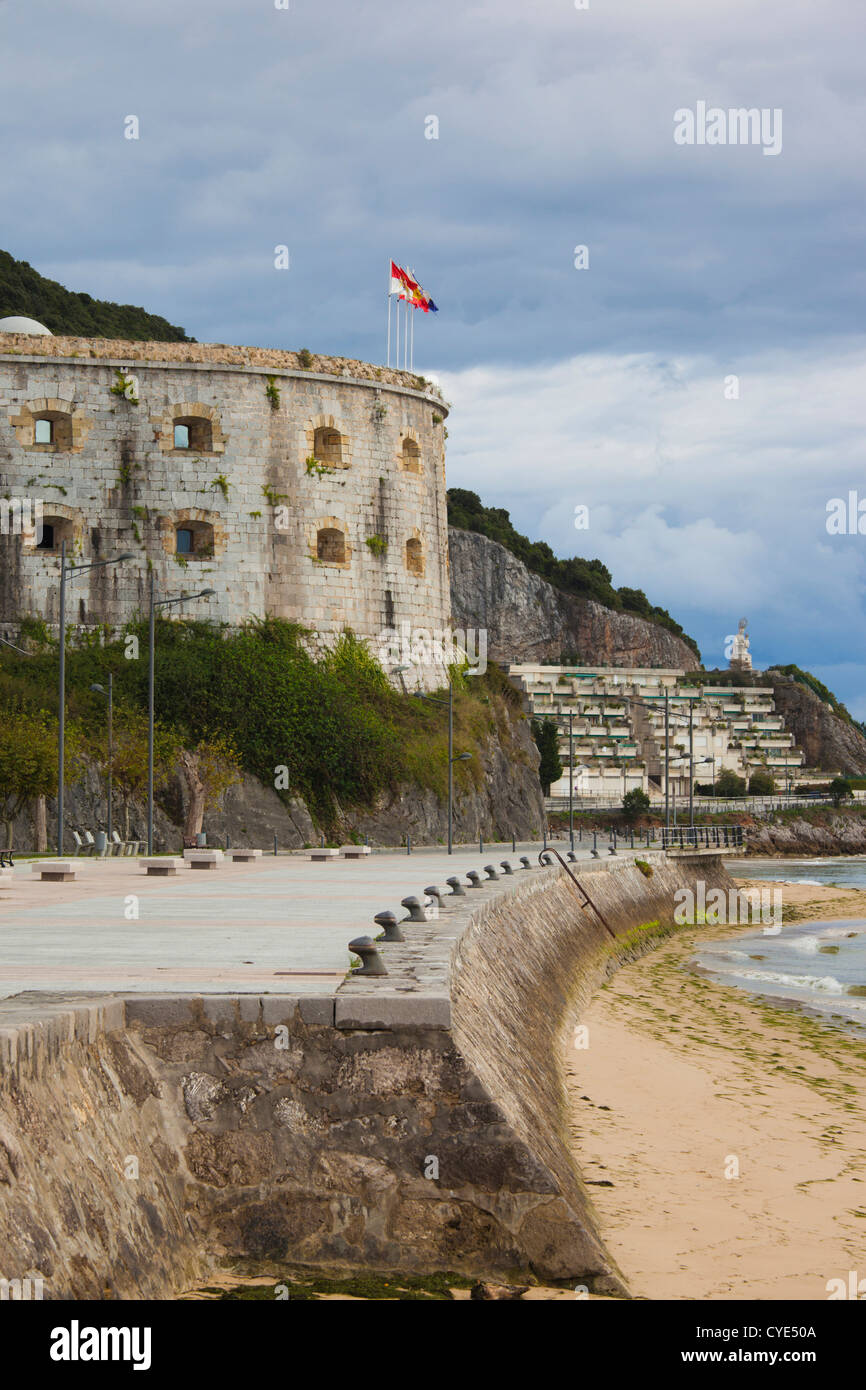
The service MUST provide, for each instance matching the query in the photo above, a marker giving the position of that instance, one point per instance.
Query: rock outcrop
(810, 836)
(527, 619)
(828, 742)
(508, 801)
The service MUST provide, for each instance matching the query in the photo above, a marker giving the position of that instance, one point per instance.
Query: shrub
(761, 784)
(546, 736)
(635, 803)
(729, 784)
(840, 790)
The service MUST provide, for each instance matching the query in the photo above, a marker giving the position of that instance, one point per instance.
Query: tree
(129, 757)
(761, 784)
(28, 761)
(209, 770)
(546, 736)
(635, 803)
(729, 784)
(840, 790)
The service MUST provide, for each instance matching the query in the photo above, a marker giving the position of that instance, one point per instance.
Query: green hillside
(584, 578)
(24, 291)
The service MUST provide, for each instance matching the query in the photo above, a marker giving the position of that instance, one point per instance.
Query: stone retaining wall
(414, 1121)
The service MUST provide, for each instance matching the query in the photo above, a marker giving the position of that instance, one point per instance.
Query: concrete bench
(244, 856)
(203, 858)
(165, 864)
(54, 870)
(323, 856)
(354, 851)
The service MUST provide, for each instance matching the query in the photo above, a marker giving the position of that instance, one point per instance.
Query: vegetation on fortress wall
(337, 726)
(24, 291)
(588, 579)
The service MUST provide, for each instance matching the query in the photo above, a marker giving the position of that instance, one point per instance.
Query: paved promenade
(280, 925)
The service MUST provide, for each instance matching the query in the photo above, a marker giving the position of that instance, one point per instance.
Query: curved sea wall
(412, 1121)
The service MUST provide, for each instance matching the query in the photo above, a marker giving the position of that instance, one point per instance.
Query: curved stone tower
(307, 488)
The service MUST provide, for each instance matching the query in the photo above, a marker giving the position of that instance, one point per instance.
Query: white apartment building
(616, 716)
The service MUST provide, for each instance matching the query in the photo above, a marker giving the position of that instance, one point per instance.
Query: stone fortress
(304, 487)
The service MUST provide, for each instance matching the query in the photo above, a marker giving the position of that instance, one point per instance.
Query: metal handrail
(587, 900)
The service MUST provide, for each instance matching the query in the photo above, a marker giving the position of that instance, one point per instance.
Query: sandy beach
(685, 1081)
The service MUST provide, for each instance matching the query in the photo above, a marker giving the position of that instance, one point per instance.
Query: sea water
(846, 871)
(816, 965)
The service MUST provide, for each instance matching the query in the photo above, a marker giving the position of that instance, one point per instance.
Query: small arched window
(194, 539)
(328, 446)
(53, 531)
(411, 455)
(193, 433)
(331, 545)
(414, 556)
(52, 430)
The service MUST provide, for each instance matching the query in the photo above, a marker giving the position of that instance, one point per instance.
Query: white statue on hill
(740, 658)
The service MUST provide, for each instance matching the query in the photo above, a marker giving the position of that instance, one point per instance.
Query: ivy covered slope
(478, 572)
(24, 291)
(329, 730)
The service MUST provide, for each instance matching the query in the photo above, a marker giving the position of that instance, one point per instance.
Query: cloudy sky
(608, 386)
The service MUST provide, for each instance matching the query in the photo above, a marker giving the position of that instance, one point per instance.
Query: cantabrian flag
(402, 283)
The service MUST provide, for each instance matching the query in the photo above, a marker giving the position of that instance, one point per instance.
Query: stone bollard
(415, 908)
(490, 871)
(474, 878)
(595, 844)
(371, 961)
(435, 892)
(505, 866)
(544, 859)
(457, 889)
(390, 928)
(525, 861)
(571, 856)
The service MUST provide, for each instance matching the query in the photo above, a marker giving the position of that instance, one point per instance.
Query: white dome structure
(18, 324)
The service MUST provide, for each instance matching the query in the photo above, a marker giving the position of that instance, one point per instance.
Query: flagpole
(388, 334)
(412, 347)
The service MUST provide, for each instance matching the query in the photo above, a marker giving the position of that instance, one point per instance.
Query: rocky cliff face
(507, 802)
(528, 620)
(828, 742)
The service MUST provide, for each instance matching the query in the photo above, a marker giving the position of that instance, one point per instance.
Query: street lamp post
(570, 717)
(100, 690)
(452, 759)
(153, 605)
(72, 571)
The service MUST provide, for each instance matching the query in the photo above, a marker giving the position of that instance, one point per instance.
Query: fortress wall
(305, 1130)
(117, 482)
